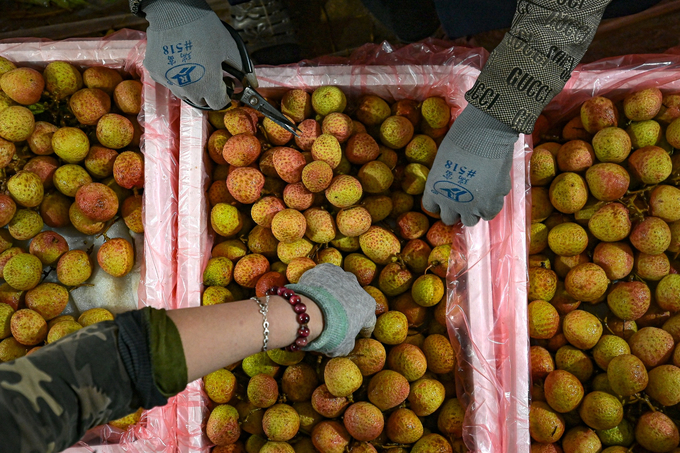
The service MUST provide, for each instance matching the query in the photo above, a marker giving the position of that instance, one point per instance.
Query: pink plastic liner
(492, 344)
(124, 50)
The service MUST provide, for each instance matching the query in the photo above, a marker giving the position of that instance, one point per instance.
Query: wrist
(167, 14)
(482, 135)
(336, 324)
(315, 318)
(307, 317)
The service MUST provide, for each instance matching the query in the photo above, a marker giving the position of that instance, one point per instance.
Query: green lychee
(328, 99)
(627, 375)
(600, 410)
(656, 432)
(116, 257)
(342, 377)
(23, 271)
(26, 189)
(16, 123)
(74, 268)
(568, 192)
(629, 300)
(610, 223)
(563, 391)
(644, 133)
(612, 144)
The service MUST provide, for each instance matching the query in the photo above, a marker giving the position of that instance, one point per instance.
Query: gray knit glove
(348, 310)
(186, 45)
(471, 173)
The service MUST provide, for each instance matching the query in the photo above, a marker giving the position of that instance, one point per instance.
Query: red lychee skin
(339, 125)
(362, 148)
(128, 170)
(245, 184)
(241, 150)
(7, 209)
(116, 257)
(240, 121)
(97, 201)
(131, 211)
(297, 196)
(99, 161)
(90, 104)
(216, 143)
(30, 85)
(328, 405)
(363, 421)
(289, 164)
(309, 130)
(331, 437)
(249, 269)
(44, 167)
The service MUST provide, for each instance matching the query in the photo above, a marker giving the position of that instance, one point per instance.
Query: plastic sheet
(613, 78)
(486, 303)
(159, 143)
(488, 322)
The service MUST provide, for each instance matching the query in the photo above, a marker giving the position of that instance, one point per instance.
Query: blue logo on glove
(452, 191)
(185, 74)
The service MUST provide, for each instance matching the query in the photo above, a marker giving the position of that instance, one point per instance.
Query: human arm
(527, 69)
(108, 370)
(207, 349)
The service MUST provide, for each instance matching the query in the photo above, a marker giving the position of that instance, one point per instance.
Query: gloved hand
(471, 173)
(348, 310)
(186, 45)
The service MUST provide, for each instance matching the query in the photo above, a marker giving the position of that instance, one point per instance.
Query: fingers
(217, 98)
(429, 203)
(491, 211)
(469, 220)
(449, 216)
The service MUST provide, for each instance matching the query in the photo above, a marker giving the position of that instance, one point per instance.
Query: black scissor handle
(246, 62)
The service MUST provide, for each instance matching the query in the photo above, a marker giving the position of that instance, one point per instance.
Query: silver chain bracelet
(264, 307)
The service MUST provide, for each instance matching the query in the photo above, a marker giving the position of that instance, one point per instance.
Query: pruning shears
(248, 95)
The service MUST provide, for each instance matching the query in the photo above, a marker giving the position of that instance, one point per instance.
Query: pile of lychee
(346, 191)
(604, 286)
(69, 157)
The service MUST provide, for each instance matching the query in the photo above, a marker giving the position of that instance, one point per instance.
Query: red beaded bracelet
(302, 317)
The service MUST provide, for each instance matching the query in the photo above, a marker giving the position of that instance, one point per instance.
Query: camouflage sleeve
(532, 64)
(49, 399)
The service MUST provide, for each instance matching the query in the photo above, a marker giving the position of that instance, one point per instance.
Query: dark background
(328, 26)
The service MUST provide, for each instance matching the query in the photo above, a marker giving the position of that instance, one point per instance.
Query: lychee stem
(644, 398)
(109, 224)
(606, 325)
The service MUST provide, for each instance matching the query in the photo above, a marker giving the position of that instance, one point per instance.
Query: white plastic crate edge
(116, 53)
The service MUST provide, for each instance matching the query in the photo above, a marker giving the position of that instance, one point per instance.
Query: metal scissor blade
(253, 99)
